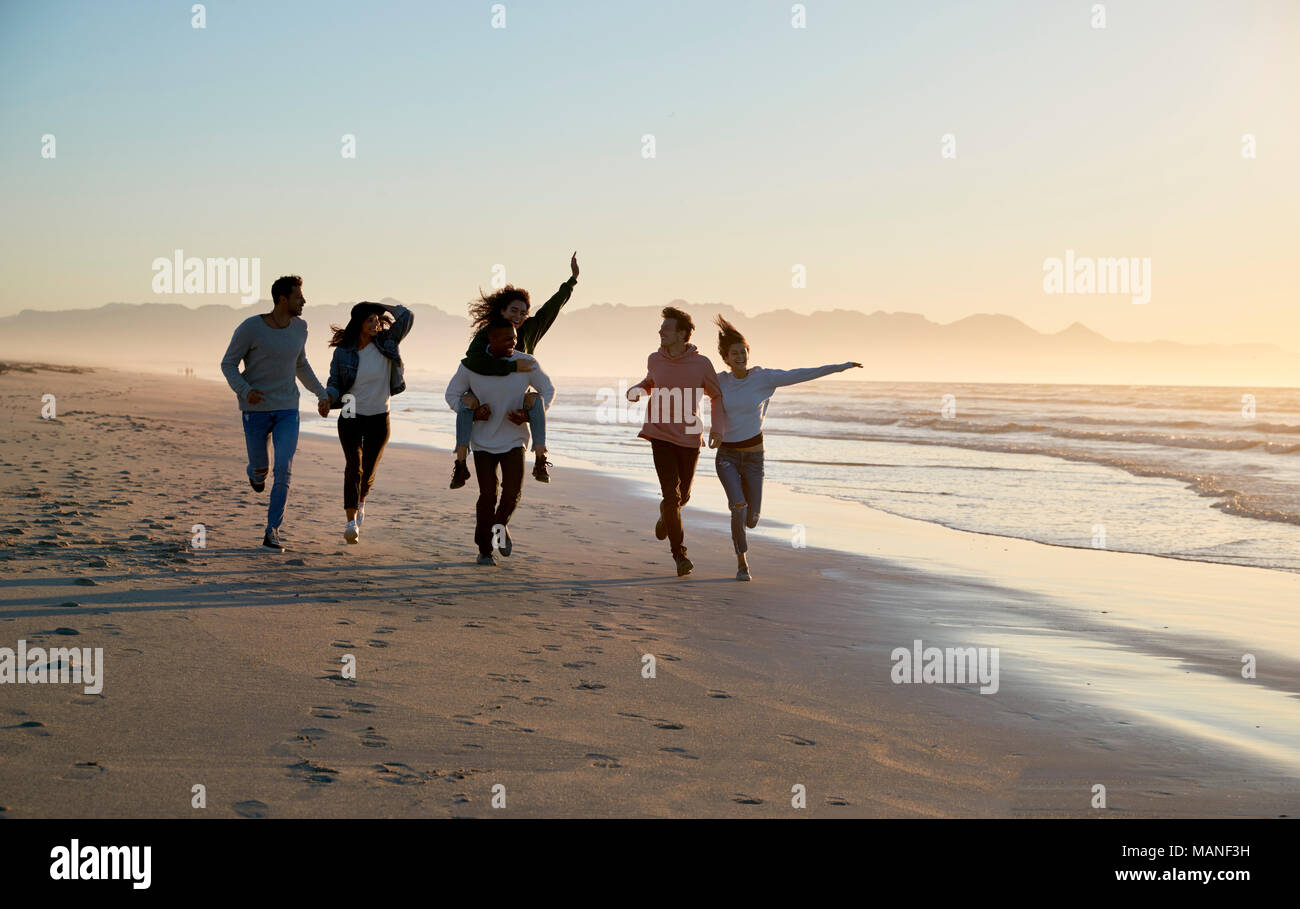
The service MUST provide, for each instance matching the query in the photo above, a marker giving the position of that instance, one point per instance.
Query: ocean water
(1210, 474)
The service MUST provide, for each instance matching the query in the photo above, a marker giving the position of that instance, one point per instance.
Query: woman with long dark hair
(746, 392)
(512, 304)
(367, 367)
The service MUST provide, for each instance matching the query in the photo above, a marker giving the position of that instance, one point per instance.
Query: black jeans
(675, 465)
(363, 440)
(487, 511)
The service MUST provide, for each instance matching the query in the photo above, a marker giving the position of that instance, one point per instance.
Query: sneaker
(743, 575)
(486, 560)
(361, 513)
(508, 546)
(661, 532)
(351, 533)
(272, 541)
(257, 487)
(459, 474)
(684, 566)
(539, 471)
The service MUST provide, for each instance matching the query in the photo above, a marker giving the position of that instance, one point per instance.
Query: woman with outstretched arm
(746, 392)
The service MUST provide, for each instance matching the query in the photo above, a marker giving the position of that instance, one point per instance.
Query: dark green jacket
(478, 360)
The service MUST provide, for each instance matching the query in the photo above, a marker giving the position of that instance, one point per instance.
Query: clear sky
(775, 146)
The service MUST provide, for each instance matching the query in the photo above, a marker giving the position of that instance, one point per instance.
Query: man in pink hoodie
(677, 377)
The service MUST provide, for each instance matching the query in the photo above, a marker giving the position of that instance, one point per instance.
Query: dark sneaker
(486, 560)
(272, 541)
(508, 546)
(684, 566)
(459, 474)
(661, 532)
(540, 473)
(257, 487)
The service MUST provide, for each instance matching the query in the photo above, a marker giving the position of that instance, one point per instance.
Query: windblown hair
(347, 335)
(727, 336)
(490, 306)
(284, 286)
(683, 320)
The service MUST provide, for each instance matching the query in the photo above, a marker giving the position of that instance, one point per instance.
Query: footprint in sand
(667, 724)
(718, 693)
(539, 702)
(578, 664)
(681, 752)
(741, 799)
(31, 727)
(795, 739)
(85, 770)
(359, 707)
(372, 739)
(511, 727)
(512, 677)
(324, 713)
(837, 801)
(312, 772)
(584, 685)
(604, 761)
(399, 774)
(251, 808)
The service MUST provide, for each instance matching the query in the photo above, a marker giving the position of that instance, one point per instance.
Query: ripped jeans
(741, 473)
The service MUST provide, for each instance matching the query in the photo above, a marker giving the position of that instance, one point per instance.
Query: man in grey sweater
(273, 350)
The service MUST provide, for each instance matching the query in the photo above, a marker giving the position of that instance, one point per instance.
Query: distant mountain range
(612, 340)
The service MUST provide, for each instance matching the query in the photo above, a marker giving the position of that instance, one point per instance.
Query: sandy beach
(222, 664)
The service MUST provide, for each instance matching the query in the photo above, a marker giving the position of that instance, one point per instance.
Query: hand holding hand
(518, 416)
(323, 407)
(482, 412)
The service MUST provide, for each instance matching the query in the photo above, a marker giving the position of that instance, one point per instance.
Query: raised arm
(403, 319)
(540, 322)
(781, 377)
(235, 353)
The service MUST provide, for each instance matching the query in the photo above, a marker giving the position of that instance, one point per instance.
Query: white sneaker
(351, 533)
(361, 513)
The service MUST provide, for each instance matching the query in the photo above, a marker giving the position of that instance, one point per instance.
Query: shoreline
(531, 675)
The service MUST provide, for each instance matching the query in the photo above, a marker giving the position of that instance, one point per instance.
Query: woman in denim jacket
(365, 372)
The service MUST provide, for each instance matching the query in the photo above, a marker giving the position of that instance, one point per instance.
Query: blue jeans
(741, 473)
(536, 424)
(281, 428)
